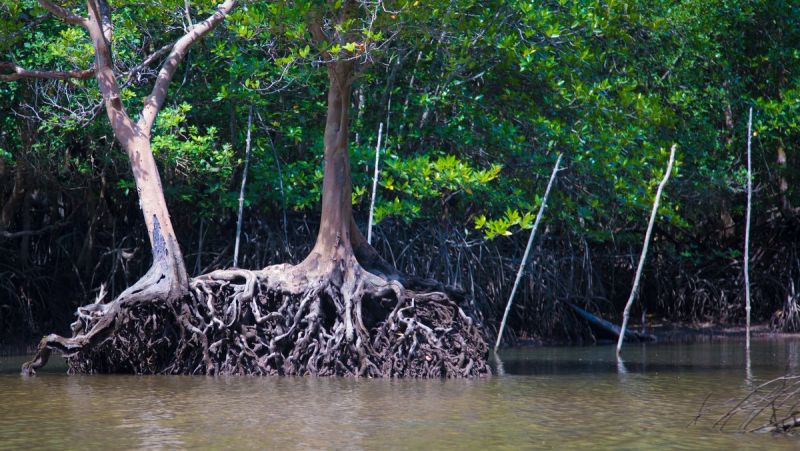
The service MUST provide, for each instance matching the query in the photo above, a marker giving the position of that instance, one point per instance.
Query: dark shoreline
(666, 333)
(676, 333)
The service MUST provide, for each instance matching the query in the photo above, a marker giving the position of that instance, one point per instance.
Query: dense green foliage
(476, 99)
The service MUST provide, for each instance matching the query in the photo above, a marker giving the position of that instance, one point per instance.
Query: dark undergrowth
(45, 276)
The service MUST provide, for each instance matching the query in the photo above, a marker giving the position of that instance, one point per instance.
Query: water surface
(563, 398)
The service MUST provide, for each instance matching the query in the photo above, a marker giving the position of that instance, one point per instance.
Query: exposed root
(98, 322)
(285, 320)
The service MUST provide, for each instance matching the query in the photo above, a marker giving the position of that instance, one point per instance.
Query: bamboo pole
(643, 257)
(241, 191)
(521, 269)
(374, 185)
(747, 227)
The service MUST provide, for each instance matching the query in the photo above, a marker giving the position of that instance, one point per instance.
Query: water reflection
(497, 365)
(748, 366)
(621, 369)
(548, 398)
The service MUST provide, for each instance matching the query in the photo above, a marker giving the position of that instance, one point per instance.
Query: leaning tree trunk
(166, 284)
(167, 276)
(168, 265)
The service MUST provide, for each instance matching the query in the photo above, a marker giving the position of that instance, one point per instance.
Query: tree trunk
(728, 226)
(339, 238)
(783, 183)
(334, 239)
(167, 258)
(340, 244)
(167, 279)
(164, 244)
(18, 192)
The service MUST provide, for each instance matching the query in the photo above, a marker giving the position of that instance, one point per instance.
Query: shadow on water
(544, 367)
(766, 357)
(12, 364)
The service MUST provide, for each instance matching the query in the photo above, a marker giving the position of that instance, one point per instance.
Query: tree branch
(63, 13)
(149, 60)
(155, 101)
(101, 13)
(12, 235)
(315, 28)
(18, 73)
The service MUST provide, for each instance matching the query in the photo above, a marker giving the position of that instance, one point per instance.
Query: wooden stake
(374, 185)
(643, 257)
(525, 255)
(747, 227)
(241, 191)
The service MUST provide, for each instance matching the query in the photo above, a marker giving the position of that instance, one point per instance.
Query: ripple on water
(561, 398)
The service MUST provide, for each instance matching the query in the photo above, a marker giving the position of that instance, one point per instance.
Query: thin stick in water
(374, 185)
(521, 269)
(643, 257)
(277, 159)
(199, 259)
(283, 196)
(241, 191)
(747, 227)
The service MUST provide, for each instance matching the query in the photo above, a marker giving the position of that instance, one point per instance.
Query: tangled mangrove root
(279, 320)
(771, 407)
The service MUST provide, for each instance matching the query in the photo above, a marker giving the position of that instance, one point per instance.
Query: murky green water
(559, 398)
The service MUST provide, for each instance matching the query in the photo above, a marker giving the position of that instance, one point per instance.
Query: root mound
(268, 322)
